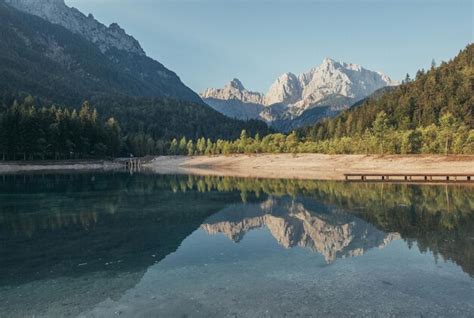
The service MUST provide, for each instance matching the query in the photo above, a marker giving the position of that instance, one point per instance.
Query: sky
(210, 42)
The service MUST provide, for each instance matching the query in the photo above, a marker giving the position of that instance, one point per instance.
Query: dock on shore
(410, 177)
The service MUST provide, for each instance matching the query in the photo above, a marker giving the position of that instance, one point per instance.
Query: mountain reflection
(330, 232)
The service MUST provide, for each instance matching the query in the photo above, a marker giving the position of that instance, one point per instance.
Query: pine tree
(380, 126)
(201, 146)
(190, 148)
(448, 127)
(243, 141)
(173, 147)
(183, 146)
(209, 146)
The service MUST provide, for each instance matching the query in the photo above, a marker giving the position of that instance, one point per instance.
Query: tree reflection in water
(82, 218)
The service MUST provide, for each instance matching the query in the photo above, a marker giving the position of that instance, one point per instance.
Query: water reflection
(141, 213)
(101, 235)
(305, 223)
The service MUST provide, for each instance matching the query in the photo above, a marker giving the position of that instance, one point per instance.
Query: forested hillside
(58, 67)
(28, 132)
(48, 61)
(31, 132)
(432, 114)
(416, 103)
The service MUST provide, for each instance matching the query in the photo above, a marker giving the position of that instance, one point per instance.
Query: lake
(145, 245)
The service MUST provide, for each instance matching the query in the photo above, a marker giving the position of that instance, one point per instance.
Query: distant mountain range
(294, 101)
(59, 55)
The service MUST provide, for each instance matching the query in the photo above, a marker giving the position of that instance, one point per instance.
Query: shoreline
(273, 166)
(12, 167)
(309, 166)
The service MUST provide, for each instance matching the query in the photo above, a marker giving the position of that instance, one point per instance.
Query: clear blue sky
(209, 42)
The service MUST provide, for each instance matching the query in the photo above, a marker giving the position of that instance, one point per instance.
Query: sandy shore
(67, 165)
(310, 166)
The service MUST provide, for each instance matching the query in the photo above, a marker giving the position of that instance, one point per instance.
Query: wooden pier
(133, 164)
(410, 177)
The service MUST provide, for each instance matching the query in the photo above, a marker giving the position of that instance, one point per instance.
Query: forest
(450, 136)
(29, 133)
(432, 114)
(61, 68)
(414, 107)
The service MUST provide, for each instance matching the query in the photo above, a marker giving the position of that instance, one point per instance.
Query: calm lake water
(144, 245)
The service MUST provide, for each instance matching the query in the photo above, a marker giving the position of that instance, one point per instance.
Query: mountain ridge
(57, 12)
(417, 104)
(234, 90)
(106, 60)
(326, 85)
(57, 66)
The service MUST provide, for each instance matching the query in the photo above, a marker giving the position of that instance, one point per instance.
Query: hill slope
(65, 67)
(47, 60)
(416, 103)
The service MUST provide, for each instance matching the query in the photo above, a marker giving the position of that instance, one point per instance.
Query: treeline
(29, 133)
(165, 119)
(415, 105)
(449, 136)
(149, 101)
(147, 125)
(432, 114)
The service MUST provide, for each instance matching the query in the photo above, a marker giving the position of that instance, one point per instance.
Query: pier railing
(134, 163)
(410, 177)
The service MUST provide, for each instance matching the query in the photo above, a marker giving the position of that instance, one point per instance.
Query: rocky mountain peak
(237, 84)
(332, 84)
(330, 79)
(57, 12)
(234, 90)
(286, 89)
(328, 61)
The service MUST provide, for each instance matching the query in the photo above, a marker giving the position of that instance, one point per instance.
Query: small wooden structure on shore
(133, 164)
(410, 177)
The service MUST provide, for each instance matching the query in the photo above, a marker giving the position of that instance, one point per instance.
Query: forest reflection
(439, 218)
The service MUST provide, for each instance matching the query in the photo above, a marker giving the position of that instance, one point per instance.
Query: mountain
(234, 90)
(56, 11)
(60, 56)
(308, 117)
(418, 103)
(94, 59)
(332, 85)
(235, 101)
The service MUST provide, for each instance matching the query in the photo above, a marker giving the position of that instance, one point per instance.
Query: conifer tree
(173, 147)
(182, 146)
(380, 126)
(190, 148)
